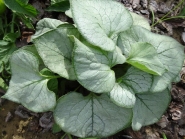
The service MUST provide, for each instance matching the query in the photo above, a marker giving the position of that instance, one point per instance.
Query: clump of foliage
(17, 10)
(123, 70)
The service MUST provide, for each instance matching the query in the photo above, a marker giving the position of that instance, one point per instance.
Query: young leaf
(144, 56)
(170, 53)
(21, 7)
(98, 22)
(27, 86)
(123, 95)
(90, 116)
(149, 108)
(92, 67)
(55, 48)
(6, 49)
(46, 25)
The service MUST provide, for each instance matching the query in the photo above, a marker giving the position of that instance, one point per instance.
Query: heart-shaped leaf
(55, 48)
(170, 53)
(90, 116)
(149, 108)
(98, 22)
(27, 86)
(145, 57)
(92, 67)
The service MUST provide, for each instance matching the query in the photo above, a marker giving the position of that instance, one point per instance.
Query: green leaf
(90, 116)
(3, 85)
(170, 53)
(139, 20)
(92, 67)
(27, 86)
(138, 80)
(123, 95)
(149, 108)
(98, 22)
(25, 1)
(26, 20)
(1, 27)
(55, 49)
(56, 128)
(21, 7)
(182, 12)
(11, 37)
(145, 57)
(61, 6)
(6, 50)
(46, 25)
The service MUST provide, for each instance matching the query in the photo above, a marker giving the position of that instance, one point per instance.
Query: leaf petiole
(50, 77)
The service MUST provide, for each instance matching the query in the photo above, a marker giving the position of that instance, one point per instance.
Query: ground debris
(46, 121)
(151, 133)
(24, 113)
(136, 4)
(144, 3)
(163, 122)
(23, 124)
(163, 8)
(153, 6)
(17, 137)
(9, 116)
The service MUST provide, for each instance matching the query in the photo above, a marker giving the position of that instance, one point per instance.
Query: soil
(16, 122)
(16, 127)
